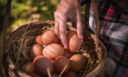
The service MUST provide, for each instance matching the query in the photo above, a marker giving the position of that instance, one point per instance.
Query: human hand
(67, 9)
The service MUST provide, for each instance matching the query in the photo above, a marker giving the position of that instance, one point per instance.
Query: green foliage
(2, 5)
(22, 10)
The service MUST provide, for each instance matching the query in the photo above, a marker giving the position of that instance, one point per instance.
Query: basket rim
(99, 68)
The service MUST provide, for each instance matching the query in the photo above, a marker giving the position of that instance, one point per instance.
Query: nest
(22, 39)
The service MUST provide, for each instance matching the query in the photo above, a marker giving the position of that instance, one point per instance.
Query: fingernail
(81, 37)
(66, 47)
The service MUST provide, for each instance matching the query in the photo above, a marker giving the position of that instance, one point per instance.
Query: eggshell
(28, 67)
(69, 74)
(53, 50)
(49, 37)
(74, 42)
(77, 62)
(41, 64)
(60, 63)
(38, 39)
(35, 50)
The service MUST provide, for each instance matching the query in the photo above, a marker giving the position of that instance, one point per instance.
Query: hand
(67, 9)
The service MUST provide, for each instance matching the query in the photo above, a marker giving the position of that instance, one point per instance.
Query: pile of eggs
(49, 53)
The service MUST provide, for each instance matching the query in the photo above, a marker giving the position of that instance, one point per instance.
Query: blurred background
(24, 10)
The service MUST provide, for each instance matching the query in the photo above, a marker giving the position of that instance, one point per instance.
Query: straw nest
(22, 39)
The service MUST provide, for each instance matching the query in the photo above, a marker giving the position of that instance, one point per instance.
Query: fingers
(72, 16)
(60, 27)
(75, 16)
(56, 28)
(62, 31)
(79, 23)
(64, 10)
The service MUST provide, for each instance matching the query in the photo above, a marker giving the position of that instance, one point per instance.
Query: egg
(49, 37)
(38, 39)
(77, 62)
(69, 74)
(53, 50)
(60, 63)
(28, 67)
(67, 53)
(41, 64)
(54, 75)
(35, 50)
(74, 42)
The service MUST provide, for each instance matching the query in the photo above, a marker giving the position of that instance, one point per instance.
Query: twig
(4, 33)
(22, 40)
(61, 73)
(49, 72)
(96, 18)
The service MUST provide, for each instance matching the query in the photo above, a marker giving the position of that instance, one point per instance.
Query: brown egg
(54, 75)
(53, 50)
(28, 67)
(67, 53)
(60, 63)
(35, 50)
(77, 62)
(73, 41)
(69, 74)
(38, 39)
(49, 37)
(41, 64)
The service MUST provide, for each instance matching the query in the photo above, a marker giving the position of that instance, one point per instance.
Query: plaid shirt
(113, 18)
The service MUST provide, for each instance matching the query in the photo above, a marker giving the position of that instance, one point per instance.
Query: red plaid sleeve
(113, 18)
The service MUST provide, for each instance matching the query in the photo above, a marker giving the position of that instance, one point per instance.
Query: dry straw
(92, 48)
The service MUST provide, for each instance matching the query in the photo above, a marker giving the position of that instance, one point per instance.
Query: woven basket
(22, 39)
